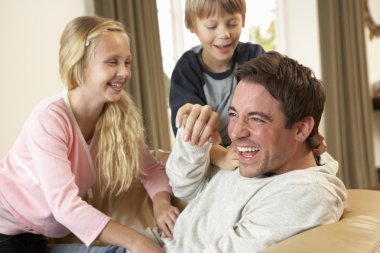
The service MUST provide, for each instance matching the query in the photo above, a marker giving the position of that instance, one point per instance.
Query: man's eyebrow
(261, 114)
(231, 108)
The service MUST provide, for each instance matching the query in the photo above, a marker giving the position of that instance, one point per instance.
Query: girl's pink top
(49, 169)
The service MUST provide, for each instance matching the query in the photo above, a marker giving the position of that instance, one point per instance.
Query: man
(279, 189)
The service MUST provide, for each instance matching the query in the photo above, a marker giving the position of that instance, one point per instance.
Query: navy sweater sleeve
(186, 84)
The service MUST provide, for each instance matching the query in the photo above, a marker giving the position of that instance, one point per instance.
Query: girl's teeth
(116, 85)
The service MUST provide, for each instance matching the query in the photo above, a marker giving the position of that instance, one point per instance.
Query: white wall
(298, 32)
(30, 33)
(373, 60)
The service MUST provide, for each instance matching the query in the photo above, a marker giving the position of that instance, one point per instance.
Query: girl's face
(219, 35)
(109, 70)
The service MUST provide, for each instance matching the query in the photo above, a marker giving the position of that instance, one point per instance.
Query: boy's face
(219, 35)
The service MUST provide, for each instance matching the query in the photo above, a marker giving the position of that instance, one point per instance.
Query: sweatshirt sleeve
(155, 179)
(188, 168)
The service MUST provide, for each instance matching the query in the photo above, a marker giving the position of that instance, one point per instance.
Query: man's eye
(257, 119)
(231, 114)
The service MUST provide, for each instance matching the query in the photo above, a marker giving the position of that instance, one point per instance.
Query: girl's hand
(165, 213)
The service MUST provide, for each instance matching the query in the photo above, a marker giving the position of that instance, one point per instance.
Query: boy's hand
(321, 147)
(200, 124)
(232, 158)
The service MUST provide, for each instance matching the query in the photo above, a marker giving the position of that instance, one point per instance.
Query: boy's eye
(211, 27)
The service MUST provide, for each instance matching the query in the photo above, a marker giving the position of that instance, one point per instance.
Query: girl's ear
(304, 128)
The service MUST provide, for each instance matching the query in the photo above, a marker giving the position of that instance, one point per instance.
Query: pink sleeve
(155, 179)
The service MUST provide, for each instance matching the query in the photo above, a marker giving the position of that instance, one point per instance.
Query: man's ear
(304, 128)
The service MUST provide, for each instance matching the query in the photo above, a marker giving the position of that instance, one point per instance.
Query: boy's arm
(224, 158)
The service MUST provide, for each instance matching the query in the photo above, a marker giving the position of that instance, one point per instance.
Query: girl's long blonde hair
(119, 131)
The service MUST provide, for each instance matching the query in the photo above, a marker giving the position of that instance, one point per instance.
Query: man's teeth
(117, 85)
(247, 149)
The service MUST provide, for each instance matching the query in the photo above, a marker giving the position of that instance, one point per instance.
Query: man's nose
(239, 129)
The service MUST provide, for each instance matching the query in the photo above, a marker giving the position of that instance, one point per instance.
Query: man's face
(257, 128)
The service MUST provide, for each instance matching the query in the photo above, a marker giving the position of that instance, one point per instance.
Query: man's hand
(200, 124)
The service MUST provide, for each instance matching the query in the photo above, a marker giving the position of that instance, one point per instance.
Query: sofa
(358, 230)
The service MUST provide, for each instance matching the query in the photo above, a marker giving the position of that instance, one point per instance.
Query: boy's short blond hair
(205, 8)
